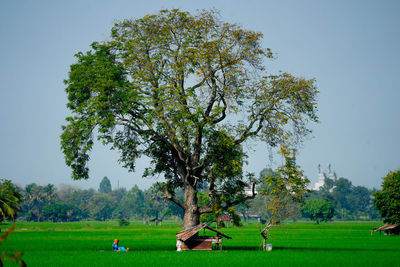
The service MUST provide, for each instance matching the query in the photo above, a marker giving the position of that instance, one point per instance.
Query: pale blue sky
(350, 47)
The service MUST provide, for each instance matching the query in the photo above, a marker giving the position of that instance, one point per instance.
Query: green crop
(298, 244)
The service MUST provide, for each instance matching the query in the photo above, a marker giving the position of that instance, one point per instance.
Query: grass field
(299, 244)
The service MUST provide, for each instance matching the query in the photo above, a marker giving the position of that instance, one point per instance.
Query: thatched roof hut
(388, 229)
(189, 239)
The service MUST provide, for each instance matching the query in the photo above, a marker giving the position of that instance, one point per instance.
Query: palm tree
(10, 203)
(37, 197)
(10, 200)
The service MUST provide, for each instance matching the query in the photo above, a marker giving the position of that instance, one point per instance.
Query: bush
(123, 222)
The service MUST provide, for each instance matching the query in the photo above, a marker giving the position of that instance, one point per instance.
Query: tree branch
(253, 195)
(223, 116)
(170, 197)
(206, 209)
(213, 98)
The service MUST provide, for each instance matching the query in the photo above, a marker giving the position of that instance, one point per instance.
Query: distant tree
(188, 91)
(35, 198)
(317, 210)
(105, 186)
(71, 195)
(77, 197)
(341, 192)
(387, 200)
(326, 191)
(118, 194)
(101, 207)
(244, 209)
(328, 186)
(10, 200)
(116, 197)
(360, 198)
(267, 172)
(131, 205)
(61, 212)
(156, 206)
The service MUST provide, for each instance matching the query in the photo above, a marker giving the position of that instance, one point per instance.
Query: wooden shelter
(388, 229)
(189, 239)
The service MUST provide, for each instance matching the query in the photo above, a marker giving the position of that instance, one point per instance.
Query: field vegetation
(295, 244)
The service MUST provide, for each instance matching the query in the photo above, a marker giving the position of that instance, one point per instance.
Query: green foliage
(187, 91)
(123, 222)
(35, 198)
(387, 200)
(132, 204)
(351, 202)
(105, 185)
(281, 188)
(71, 203)
(101, 207)
(10, 200)
(317, 210)
(60, 212)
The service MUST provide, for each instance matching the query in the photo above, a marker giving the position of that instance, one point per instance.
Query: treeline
(350, 202)
(340, 200)
(69, 203)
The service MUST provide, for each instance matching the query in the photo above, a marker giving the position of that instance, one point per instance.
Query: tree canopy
(318, 210)
(105, 185)
(387, 200)
(351, 202)
(188, 91)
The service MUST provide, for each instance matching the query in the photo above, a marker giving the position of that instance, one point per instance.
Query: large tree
(387, 200)
(187, 91)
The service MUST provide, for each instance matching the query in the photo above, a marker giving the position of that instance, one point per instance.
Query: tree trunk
(192, 214)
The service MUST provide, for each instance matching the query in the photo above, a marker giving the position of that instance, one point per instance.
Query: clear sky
(352, 48)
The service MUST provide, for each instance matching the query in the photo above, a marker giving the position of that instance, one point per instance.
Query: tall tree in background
(187, 91)
(36, 197)
(387, 200)
(105, 185)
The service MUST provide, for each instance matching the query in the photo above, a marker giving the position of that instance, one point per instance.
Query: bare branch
(206, 209)
(170, 197)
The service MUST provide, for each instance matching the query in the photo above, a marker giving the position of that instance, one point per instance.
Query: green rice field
(295, 244)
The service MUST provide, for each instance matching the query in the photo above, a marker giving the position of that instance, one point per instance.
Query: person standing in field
(117, 248)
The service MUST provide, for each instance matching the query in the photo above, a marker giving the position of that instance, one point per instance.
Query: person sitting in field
(117, 248)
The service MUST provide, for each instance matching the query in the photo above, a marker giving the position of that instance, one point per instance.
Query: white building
(322, 175)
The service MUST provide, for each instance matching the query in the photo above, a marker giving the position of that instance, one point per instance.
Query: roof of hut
(223, 218)
(189, 232)
(387, 227)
